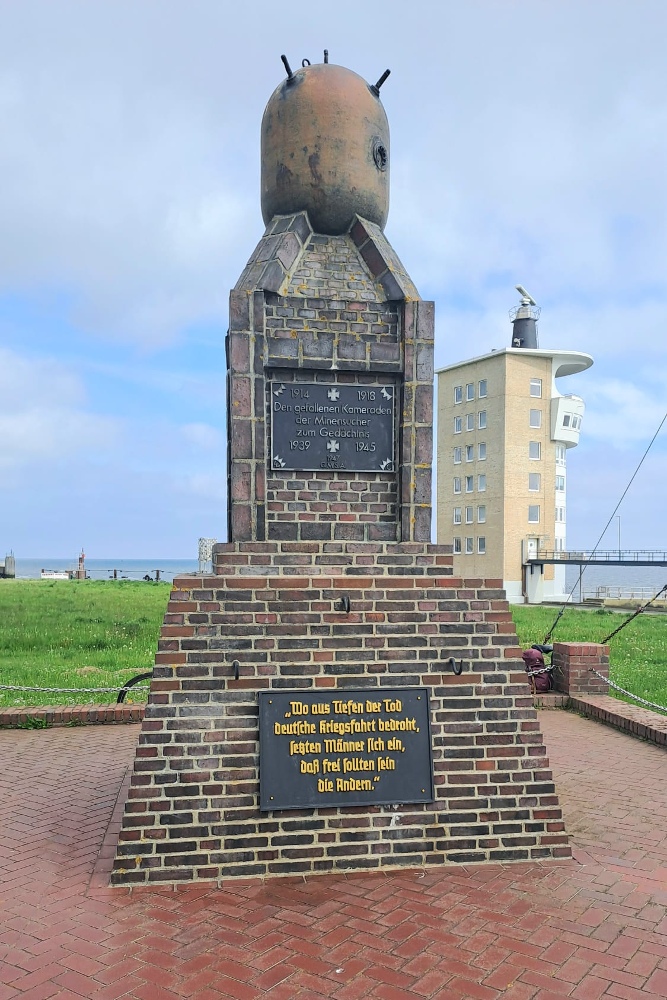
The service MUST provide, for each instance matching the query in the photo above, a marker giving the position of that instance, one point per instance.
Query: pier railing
(625, 557)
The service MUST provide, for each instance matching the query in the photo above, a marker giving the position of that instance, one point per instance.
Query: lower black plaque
(344, 748)
(317, 425)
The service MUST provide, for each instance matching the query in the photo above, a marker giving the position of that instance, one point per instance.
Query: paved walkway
(594, 927)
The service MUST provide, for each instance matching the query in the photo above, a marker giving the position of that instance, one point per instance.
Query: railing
(619, 593)
(659, 557)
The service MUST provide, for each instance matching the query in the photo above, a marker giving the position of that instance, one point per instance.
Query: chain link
(642, 701)
(13, 687)
(542, 670)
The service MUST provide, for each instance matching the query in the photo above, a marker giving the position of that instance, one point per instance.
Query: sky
(528, 145)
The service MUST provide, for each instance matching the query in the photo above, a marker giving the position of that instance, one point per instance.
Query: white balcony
(566, 416)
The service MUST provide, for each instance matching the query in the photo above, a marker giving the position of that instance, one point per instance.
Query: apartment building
(504, 431)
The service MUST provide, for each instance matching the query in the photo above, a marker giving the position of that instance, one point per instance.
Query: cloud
(203, 437)
(529, 144)
(130, 157)
(52, 434)
(27, 381)
(622, 413)
(44, 419)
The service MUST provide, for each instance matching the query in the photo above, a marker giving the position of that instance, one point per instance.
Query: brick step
(345, 558)
(45, 716)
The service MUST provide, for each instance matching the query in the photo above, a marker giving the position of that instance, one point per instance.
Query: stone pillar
(573, 662)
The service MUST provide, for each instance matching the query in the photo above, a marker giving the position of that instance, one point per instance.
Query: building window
(481, 422)
(481, 451)
(576, 423)
(534, 513)
(469, 484)
(458, 393)
(469, 515)
(534, 449)
(481, 545)
(470, 452)
(457, 484)
(560, 454)
(534, 481)
(458, 425)
(457, 515)
(481, 389)
(470, 421)
(470, 546)
(481, 484)
(536, 387)
(566, 420)
(457, 456)
(481, 514)
(457, 544)
(535, 418)
(560, 482)
(470, 391)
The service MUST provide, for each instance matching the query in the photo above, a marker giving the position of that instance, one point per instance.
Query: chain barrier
(542, 670)
(13, 687)
(642, 701)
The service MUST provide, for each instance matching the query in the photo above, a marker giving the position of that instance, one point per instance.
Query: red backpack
(538, 673)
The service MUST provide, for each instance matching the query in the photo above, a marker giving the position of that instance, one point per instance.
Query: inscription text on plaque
(344, 748)
(317, 425)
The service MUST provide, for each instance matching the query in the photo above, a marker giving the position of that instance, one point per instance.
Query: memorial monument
(332, 697)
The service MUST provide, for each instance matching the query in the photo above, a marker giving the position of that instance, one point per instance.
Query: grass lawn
(638, 654)
(77, 634)
(89, 633)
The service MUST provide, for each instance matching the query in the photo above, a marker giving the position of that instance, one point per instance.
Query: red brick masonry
(574, 663)
(192, 811)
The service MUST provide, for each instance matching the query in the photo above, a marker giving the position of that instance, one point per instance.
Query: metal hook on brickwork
(456, 667)
(236, 665)
(343, 604)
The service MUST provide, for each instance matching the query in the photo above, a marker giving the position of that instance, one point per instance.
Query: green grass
(80, 634)
(638, 654)
(77, 634)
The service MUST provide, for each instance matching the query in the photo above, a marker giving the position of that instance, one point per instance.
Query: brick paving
(588, 928)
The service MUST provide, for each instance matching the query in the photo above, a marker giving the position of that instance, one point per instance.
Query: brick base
(192, 811)
(68, 715)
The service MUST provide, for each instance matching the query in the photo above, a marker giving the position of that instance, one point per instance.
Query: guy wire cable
(611, 518)
(639, 611)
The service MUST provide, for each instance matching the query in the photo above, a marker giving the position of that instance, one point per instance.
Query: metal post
(618, 518)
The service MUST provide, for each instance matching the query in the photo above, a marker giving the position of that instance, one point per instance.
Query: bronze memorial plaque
(318, 425)
(344, 748)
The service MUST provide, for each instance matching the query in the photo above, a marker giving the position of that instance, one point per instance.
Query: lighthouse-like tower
(332, 697)
(504, 430)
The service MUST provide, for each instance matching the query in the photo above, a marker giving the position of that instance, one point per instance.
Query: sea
(644, 581)
(617, 581)
(104, 569)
